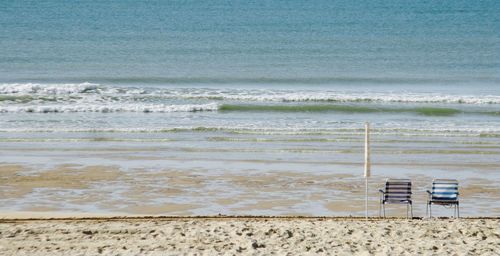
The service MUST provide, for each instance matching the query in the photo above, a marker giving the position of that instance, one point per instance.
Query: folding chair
(397, 191)
(444, 192)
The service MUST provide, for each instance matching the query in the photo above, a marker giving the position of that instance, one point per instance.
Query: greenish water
(427, 111)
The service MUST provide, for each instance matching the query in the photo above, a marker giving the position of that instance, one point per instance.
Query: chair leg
(383, 206)
(380, 209)
(427, 210)
(430, 210)
(411, 210)
(458, 210)
(407, 205)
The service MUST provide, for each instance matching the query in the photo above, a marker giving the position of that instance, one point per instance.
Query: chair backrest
(444, 190)
(397, 190)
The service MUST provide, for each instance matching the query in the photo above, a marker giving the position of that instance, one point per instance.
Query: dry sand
(248, 236)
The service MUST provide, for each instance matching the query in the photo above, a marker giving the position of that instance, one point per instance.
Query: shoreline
(77, 216)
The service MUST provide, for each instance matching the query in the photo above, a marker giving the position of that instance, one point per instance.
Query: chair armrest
(429, 193)
(382, 195)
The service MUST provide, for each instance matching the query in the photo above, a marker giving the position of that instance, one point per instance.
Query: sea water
(287, 83)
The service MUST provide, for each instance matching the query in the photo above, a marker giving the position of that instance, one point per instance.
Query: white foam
(107, 108)
(88, 92)
(47, 89)
(331, 96)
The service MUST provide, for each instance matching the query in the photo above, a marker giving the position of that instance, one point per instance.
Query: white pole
(367, 165)
(366, 199)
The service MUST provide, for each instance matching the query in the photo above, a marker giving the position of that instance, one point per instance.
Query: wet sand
(108, 189)
(248, 236)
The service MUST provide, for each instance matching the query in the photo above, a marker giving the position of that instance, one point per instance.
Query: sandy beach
(248, 236)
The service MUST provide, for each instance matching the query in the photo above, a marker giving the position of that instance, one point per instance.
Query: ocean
(234, 91)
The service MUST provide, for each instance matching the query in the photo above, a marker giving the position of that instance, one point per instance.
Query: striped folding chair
(397, 191)
(444, 192)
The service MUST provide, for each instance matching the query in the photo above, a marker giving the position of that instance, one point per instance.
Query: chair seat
(443, 202)
(393, 201)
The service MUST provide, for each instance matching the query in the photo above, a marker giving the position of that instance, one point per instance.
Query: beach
(148, 127)
(248, 236)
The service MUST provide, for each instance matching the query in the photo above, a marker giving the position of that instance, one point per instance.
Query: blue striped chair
(444, 192)
(397, 191)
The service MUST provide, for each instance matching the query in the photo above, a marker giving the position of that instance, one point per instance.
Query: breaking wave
(160, 108)
(89, 92)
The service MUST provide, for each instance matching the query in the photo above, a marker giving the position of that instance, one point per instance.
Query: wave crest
(89, 92)
(159, 108)
(48, 89)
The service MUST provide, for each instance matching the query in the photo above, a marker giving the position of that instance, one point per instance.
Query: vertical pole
(366, 198)
(367, 165)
